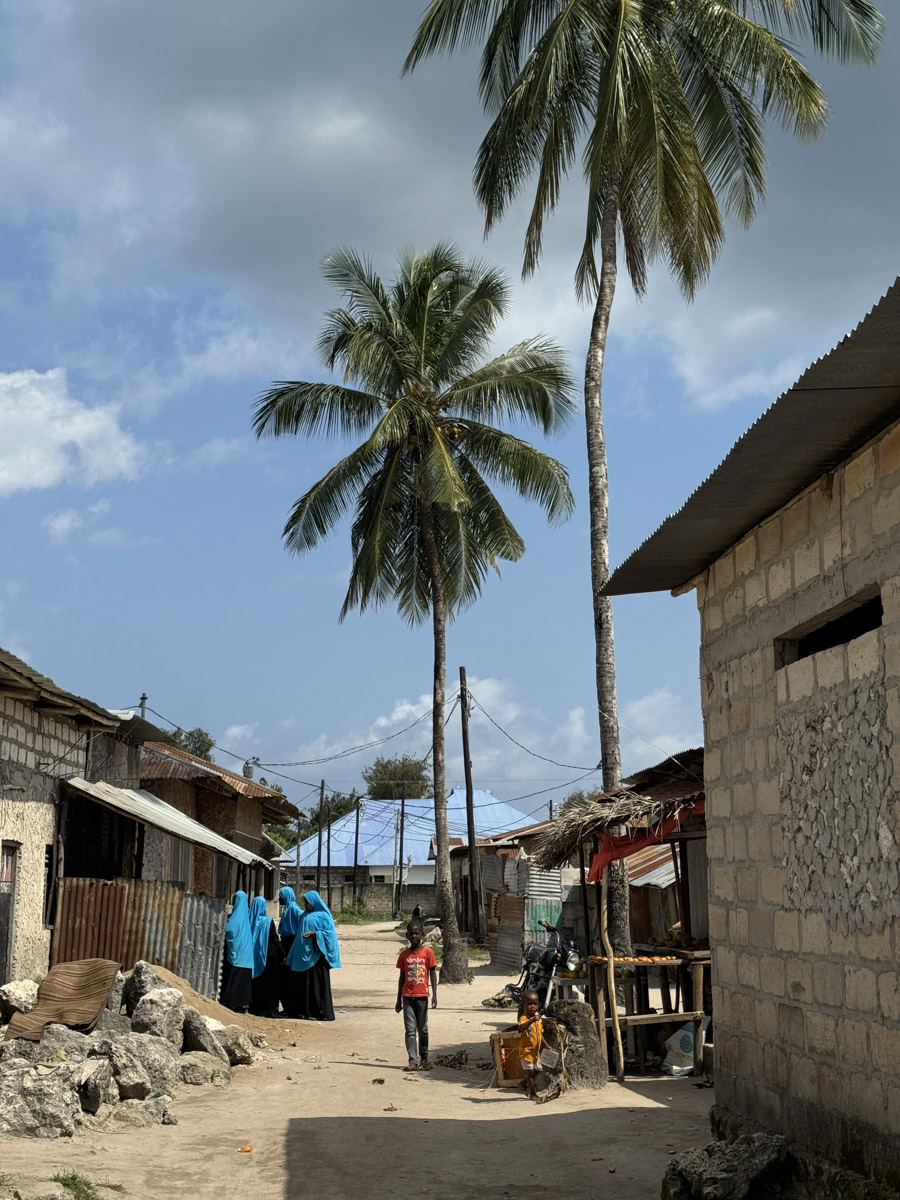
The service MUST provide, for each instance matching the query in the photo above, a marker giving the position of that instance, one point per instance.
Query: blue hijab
(238, 942)
(306, 951)
(290, 918)
(259, 931)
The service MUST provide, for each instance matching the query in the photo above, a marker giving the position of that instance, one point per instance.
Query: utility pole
(400, 859)
(143, 704)
(396, 851)
(356, 850)
(319, 849)
(297, 852)
(474, 888)
(329, 854)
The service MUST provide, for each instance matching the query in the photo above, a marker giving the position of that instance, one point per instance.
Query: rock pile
(146, 1043)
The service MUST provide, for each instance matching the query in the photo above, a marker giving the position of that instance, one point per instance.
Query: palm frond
(530, 382)
(517, 465)
(318, 512)
(310, 409)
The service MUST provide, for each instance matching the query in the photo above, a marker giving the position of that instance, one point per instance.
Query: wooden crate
(505, 1049)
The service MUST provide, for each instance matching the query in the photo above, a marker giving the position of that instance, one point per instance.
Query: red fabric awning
(613, 848)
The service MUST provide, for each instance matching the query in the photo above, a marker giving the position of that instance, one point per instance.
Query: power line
(533, 753)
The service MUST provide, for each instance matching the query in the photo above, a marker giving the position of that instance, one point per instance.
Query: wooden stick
(611, 977)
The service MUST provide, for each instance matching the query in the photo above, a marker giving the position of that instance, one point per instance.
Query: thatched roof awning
(600, 814)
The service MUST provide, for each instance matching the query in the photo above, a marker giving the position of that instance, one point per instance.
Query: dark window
(99, 842)
(850, 620)
(378, 879)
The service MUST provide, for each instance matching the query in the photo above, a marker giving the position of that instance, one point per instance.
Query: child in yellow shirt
(531, 1040)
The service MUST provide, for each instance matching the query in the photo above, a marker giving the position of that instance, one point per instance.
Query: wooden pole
(400, 857)
(319, 847)
(328, 839)
(588, 949)
(474, 890)
(297, 852)
(611, 977)
(356, 850)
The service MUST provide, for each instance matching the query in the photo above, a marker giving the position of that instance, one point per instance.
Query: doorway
(9, 861)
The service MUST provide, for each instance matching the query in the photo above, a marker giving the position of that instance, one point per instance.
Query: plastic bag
(549, 1058)
(680, 1055)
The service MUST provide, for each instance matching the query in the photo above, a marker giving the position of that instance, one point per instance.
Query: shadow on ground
(589, 1154)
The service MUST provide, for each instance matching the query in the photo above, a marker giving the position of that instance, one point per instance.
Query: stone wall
(802, 779)
(35, 750)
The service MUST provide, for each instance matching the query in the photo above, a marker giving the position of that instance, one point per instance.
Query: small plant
(470, 974)
(83, 1188)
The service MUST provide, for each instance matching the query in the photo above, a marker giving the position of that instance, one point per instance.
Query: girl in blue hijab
(267, 959)
(287, 931)
(313, 956)
(237, 969)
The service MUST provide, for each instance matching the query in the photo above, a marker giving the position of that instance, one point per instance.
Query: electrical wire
(533, 753)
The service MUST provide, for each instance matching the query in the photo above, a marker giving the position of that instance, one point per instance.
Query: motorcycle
(540, 964)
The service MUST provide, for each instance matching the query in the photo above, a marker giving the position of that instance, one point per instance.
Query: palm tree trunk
(598, 492)
(455, 958)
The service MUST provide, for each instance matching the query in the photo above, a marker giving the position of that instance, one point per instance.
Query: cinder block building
(792, 547)
(45, 734)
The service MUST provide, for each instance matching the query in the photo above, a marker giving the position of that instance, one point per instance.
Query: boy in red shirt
(416, 966)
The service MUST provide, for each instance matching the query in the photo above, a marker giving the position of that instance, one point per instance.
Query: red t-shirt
(415, 965)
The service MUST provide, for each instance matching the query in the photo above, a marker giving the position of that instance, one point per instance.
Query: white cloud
(62, 524)
(656, 725)
(48, 437)
(218, 452)
(243, 736)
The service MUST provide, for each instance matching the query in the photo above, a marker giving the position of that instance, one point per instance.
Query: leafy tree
(195, 741)
(284, 835)
(665, 103)
(404, 777)
(417, 390)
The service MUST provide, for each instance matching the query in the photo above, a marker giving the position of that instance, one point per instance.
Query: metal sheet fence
(202, 944)
(132, 919)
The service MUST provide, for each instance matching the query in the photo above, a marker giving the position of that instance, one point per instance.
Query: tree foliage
(403, 777)
(195, 741)
(425, 406)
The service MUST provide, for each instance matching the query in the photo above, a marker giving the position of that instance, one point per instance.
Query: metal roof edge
(626, 579)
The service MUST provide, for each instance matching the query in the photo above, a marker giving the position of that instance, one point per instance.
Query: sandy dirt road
(321, 1128)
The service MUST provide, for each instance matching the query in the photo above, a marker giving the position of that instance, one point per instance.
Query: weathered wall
(112, 760)
(178, 792)
(35, 749)
(803, 819)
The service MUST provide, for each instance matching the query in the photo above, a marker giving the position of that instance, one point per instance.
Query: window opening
(857, 616)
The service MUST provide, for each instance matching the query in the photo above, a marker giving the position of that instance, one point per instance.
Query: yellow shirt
(530, 1040)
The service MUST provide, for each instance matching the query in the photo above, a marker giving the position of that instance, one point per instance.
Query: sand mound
(277, 1031)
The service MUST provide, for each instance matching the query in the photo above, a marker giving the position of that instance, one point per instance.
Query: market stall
(615, 826)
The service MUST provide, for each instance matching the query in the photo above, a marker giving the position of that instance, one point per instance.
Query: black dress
(309, 993)
(284, 982)
(237, 987)
(264, 1001)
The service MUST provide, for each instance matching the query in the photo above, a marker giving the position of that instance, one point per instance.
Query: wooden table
(693, 961)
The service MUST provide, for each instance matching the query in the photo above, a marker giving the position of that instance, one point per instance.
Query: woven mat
(72, 993)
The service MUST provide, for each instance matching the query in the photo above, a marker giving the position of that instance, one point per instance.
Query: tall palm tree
(417, 389)
(665, 102)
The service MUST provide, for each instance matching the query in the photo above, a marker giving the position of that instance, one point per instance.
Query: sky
(172, 175)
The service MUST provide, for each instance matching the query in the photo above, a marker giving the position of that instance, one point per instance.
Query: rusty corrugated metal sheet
(202, 944)
(120, 919)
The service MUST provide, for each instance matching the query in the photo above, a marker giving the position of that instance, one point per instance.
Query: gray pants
(415, 1021)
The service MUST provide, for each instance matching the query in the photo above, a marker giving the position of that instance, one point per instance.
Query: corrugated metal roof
(679, 777)
(18, 673)
(842, 401)
(161, 761)
(377, 823)
(149, 809)
(652, 867)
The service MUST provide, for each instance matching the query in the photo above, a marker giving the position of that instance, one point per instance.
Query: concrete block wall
(803, 812)
(35, 750)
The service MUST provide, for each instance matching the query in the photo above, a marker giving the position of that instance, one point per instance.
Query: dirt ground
(330, 1115)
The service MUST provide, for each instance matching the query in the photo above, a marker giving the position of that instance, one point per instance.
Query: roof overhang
(839, 404)
(148, 809)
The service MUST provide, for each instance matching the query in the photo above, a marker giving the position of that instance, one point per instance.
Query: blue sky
(172, 175)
